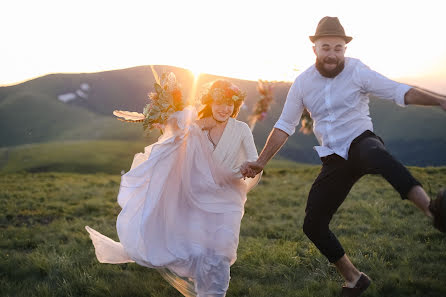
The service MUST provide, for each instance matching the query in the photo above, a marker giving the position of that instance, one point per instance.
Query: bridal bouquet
(166, 100)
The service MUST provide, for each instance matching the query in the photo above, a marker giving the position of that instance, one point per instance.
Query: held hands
(206, 123)
(251, 169)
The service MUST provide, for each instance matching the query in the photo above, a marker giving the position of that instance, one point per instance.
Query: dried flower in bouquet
(263, 105)
(307, 123)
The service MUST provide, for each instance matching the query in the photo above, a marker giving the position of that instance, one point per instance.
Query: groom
(334, 90)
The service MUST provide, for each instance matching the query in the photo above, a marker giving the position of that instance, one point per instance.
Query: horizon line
(126, 68)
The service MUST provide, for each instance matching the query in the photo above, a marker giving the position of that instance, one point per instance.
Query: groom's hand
(251, 169)
(245, 170)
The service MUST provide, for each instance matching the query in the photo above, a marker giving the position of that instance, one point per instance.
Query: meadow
(45, 250)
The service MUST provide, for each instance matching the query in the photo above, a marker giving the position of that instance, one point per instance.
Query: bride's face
(222, 110)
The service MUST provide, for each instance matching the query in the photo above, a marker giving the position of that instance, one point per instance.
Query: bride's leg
(212, 276)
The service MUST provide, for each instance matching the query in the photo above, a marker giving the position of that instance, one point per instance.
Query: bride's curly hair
(224, 91)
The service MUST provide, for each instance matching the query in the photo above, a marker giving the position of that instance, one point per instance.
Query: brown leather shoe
(361, 285)
(438, 209)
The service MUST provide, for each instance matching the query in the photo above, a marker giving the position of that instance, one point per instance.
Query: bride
(183, 198)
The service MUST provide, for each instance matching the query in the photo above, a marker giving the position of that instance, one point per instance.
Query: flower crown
(223, 90)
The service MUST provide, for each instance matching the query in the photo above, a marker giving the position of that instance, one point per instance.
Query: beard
(329, 73)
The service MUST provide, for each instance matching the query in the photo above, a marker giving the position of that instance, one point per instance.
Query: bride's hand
(206, 123)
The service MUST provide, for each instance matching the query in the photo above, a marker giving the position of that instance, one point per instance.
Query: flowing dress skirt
(181, 213)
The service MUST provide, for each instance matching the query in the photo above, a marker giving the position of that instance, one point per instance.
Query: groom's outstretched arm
(419, 96)
(276, 140)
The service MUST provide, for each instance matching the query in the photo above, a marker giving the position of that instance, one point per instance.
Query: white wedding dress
(182, 204)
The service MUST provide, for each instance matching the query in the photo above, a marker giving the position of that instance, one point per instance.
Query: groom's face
(330, 52)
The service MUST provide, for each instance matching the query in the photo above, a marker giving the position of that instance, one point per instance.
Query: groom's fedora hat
(330, 26)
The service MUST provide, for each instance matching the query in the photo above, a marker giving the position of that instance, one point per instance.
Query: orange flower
(176, 95)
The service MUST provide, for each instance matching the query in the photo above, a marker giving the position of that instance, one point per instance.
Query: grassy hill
(31, 113)
(33, 118)
(71, 156)
(45, 251)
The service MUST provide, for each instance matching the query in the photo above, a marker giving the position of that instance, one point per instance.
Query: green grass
(45, 250)
(72, 156)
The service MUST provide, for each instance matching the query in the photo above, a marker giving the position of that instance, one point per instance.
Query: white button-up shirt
(339, 106)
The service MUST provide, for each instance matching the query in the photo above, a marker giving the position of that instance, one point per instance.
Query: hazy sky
(404, 40)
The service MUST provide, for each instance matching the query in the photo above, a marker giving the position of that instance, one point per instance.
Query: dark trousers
(367, 155)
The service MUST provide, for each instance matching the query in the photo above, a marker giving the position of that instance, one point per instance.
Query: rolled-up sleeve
(249, 145)
(248, 151)
(381, 86)
(251, 155)
(292, 109)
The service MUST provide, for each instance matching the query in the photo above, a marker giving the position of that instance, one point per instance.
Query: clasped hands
(250, 169)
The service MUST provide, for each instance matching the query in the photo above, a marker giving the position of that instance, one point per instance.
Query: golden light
(193, 91)
(196, 73)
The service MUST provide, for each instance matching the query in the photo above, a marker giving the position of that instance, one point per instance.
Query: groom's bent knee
(313, 228)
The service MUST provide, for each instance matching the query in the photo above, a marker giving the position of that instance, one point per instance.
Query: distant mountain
(60, 107)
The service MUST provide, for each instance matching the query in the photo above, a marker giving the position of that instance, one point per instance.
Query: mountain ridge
(30, 112)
